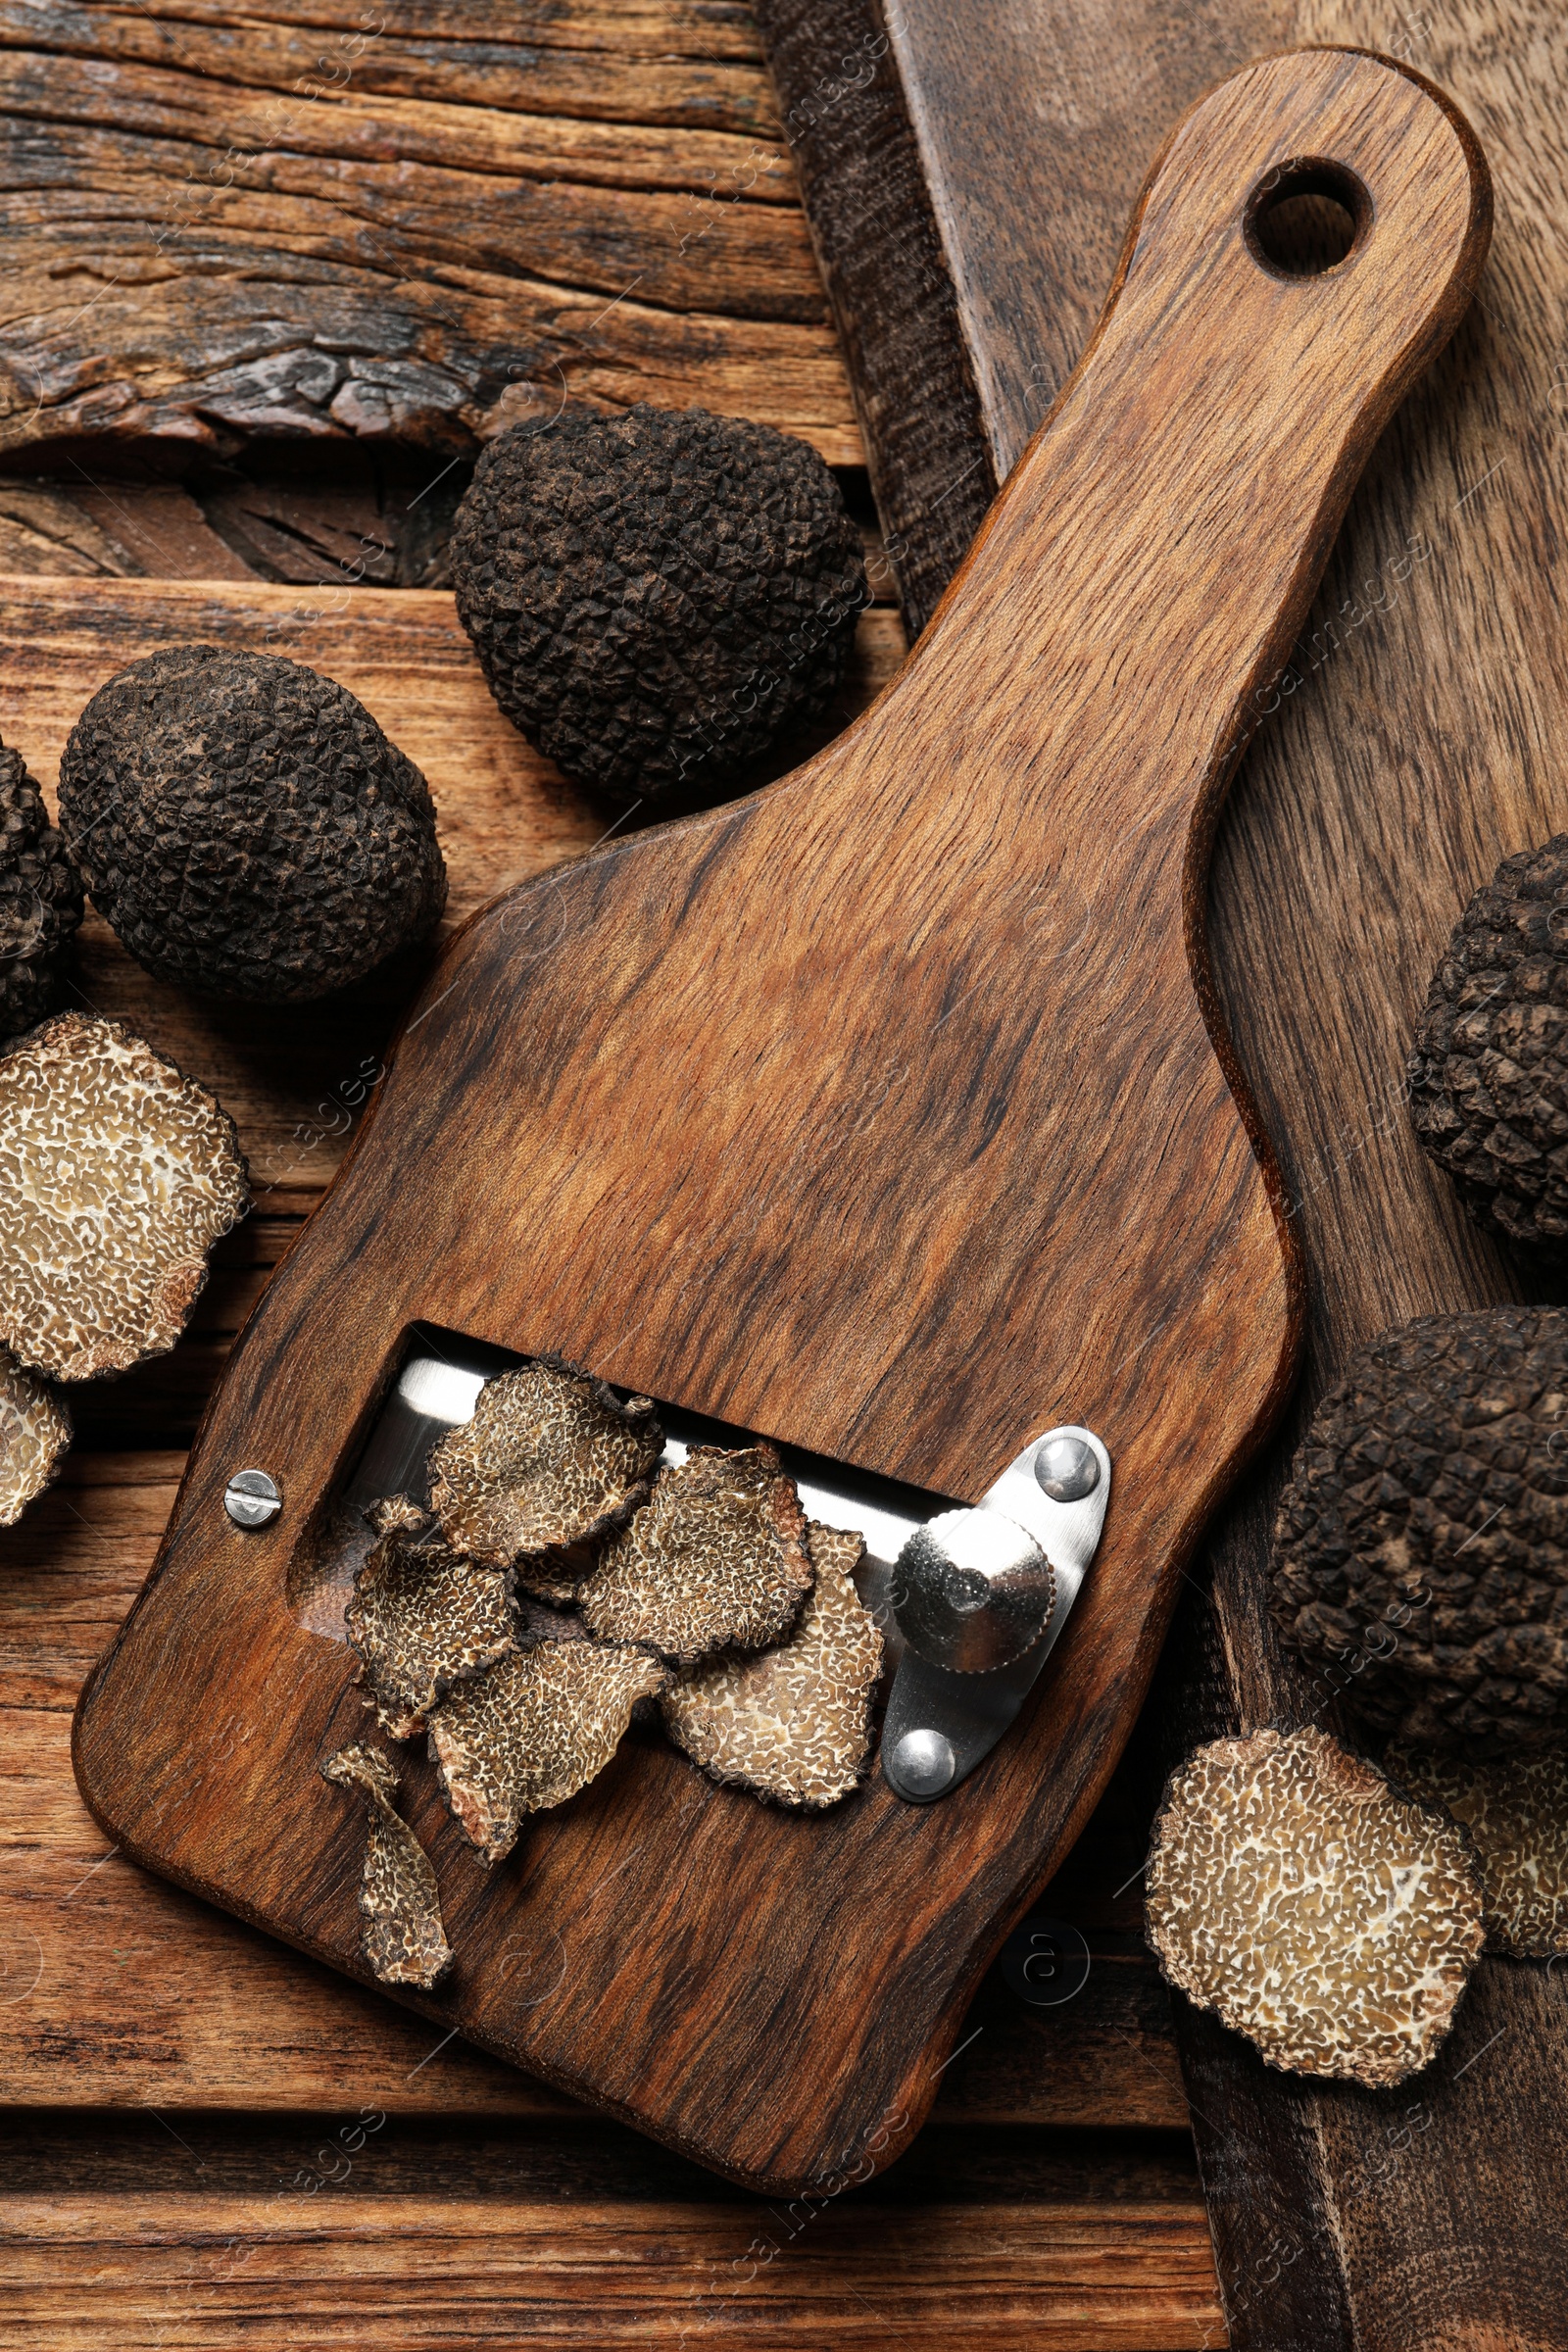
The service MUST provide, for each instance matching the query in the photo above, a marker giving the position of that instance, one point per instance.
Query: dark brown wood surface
(1412, 745)
(629, 1118)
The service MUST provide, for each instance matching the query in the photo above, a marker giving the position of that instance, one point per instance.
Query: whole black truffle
(40, 899)
(1489, 1070)
(656, 596)
(1421, 1554)
(245, 825)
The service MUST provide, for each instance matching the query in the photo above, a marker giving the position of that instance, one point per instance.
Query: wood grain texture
(394, 225)
(1407, 752)
(634, 1143)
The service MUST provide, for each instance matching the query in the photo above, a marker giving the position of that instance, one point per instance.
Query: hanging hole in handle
(1305, 216)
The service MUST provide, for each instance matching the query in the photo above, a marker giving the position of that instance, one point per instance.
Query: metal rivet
(1065, 1468)
(924, 1762)
(252, 1499)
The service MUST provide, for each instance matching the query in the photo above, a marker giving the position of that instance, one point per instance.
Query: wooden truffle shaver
(883, 1114)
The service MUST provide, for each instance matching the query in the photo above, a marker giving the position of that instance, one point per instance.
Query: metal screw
(924, 1763)
(252, 1499)
(1065, 1468)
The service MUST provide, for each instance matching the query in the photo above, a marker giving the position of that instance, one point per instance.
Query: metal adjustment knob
(252, 1499)
(972, 1590)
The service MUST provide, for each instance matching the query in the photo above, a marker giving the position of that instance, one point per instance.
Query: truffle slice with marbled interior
(401, 1938)
(424, 1618)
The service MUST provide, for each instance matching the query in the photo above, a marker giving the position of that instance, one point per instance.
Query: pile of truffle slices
(559, 1578)
(655, 598)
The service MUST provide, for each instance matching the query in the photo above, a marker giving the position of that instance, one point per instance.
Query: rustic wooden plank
(1409, 752)
(663, 1164)
(414, 234)
(117, 1987)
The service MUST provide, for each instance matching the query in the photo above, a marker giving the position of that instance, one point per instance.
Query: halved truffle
(1312, 1906)
(246, 828)
(40, 899)
(1489, 1068)
(532, 1731)
(424, 1617)
(794, 1723)
(119, 1174)
(401, 1939)
(1421, 1552)
(1516, 1811)
(655, 597)
(551, 1460)
(34, 1437)
(716, 1559)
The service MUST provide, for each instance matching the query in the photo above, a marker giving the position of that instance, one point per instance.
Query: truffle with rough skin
(1421, 1552)
(246, 828)
(793, 1724)
(40, 899)
(1312, 1906)
(1489, 1068)
(716, 1559)
(1516, 1811)
(532, 1731)
(401, 1939)
(655, 597)
(552, 1460)
(424, 1617)
(118, 1175)
(34, 1437)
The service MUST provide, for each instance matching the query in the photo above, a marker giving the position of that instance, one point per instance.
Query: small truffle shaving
(1313, 1907)
(793, 1724)
(40, 899)
(119, 1175)
(1516, 1811)
(34, 1437)
(401, 1939)
(1421, 1552)
(424, 1618)
(551, 1460)
(534, 1730)
(716, 1560)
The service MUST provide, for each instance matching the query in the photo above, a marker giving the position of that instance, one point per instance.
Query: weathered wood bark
(1409, 751)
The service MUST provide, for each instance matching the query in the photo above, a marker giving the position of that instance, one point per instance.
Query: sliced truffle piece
(655, 597)
(1312, 1906)
(551, 1460)
(1421, 1552)
(246, 828)
(119, 1176)
(1516, 1811)
(534, 1730)
(40, 899)
(794, 1723)
(1489, 1068)
(403, 1940)
(424, 1617)
(718, 1559)
(34, 1437)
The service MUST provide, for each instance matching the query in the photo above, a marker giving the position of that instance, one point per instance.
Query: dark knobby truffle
(794, 1723)
(246, 828)
(655, 597)
(424, 1618)
(40, 899)
(118, 1175)
(1312, 1906)
(1516, 1811)
(34, 1437)
(401, 1939)
(1421, 1552)
(1489, 1069)
(534, 1730)
(551, 1461)
(716, 1559)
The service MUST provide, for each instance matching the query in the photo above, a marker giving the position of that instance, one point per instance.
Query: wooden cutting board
(878, 1114)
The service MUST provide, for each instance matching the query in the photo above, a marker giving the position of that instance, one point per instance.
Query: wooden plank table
(211, 2138)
